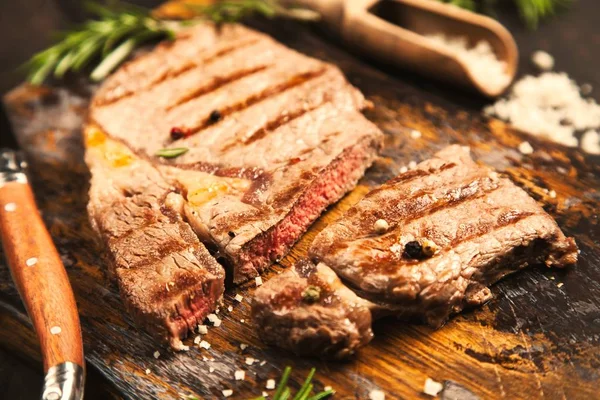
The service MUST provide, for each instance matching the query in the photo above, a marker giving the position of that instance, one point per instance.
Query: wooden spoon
(394, 31)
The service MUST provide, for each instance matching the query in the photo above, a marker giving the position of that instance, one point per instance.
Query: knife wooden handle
(41, 279)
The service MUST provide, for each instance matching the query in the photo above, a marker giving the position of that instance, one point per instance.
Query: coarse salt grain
(148, 371)
(258, 281)
(197, 339)
(249, 360)
(412, 165)
(560, 285)
(552, 194)
(327, 388)
(204, 344)
(10, 207)
(265, 394)
(542, 60)
(184, 348)
(263, 362)
(242, 320)
(415, 134)
(211, 369)
(239, 375)
(156, 354)
(238, 298)
(548, 105)
(590, 142)
(30, 262)
(243, 346)
(227, 392)
(230, 308)
(403, 169)
(432, 387)
(202, 329)
(55, 330)
(381, 226)
(376, 395)
(270, 384)
(484, 65)
(525, 148)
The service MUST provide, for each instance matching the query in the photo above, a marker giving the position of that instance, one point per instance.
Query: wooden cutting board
(538, 338)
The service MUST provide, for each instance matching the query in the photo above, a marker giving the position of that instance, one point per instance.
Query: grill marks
(215, 84)
(179, 70)
(258, 97)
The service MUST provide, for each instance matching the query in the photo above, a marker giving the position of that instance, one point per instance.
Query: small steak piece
(309, 311)
(454, 228)
(167, 279)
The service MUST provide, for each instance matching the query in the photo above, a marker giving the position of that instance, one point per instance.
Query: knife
(42, 282)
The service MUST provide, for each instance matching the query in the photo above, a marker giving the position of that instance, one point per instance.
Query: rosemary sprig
(283, 392)
(115, 32)
(531, 11)
(110, 38)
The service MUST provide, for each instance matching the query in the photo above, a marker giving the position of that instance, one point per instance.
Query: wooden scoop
(394, 31)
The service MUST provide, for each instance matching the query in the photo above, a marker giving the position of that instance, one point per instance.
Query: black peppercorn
(413, 249)
(215, 116)
(231, 234)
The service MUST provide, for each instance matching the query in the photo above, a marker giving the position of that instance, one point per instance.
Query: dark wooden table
(573, 38)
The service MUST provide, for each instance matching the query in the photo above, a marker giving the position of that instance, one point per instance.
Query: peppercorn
(215, 116)
(413, 249)
(311, 294)
(177, 133)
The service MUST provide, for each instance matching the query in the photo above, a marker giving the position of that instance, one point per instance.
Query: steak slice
(451, 229)
(272, 137)
(166, 277)
(475, 226)
(309, 311)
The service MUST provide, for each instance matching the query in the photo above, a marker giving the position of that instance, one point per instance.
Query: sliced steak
(454, 228)
(425, 244)
(309, 311)
(166, 277)
(273, 138)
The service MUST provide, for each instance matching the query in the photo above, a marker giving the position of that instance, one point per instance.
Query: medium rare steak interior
(425, 244)
(271, 138)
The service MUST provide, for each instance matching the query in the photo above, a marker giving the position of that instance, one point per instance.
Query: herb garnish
(172, 152)
(115, 32)
(283, 391)
(311, 294)
(531, 11)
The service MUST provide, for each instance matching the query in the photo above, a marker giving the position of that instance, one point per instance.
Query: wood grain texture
(40, 277)
(533, 340)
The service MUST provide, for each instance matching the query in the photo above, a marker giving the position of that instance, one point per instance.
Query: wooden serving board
(538, 338)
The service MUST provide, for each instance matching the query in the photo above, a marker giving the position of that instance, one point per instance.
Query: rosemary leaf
(322, 395)
(172, 152)
(118, 55)
(284, 396)
(283, 382)
(306, 387)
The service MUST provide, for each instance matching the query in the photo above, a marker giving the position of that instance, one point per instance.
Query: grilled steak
(426, 244)
(273, 137)
(309, 311)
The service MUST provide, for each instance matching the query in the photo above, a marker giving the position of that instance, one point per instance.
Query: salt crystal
(403, 169)
(243, 346)
(552, 194)
(412, 165)
(376, 395)
(197, 339)
(211, 369)
(542, 60)
(249, 360)
(242, 320)
(230, 308)
(238, 298)
(270, 384)
(560, 285)
(327, 388)
(55, 330)
(156, 354)
(204, 344)
(432, 387)
(202, 329)
(239, 375)
(227, 392)
(263, 362)
(525, 148)
(265, 394)
(258, 281)
(148, 371)
(415, 134)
